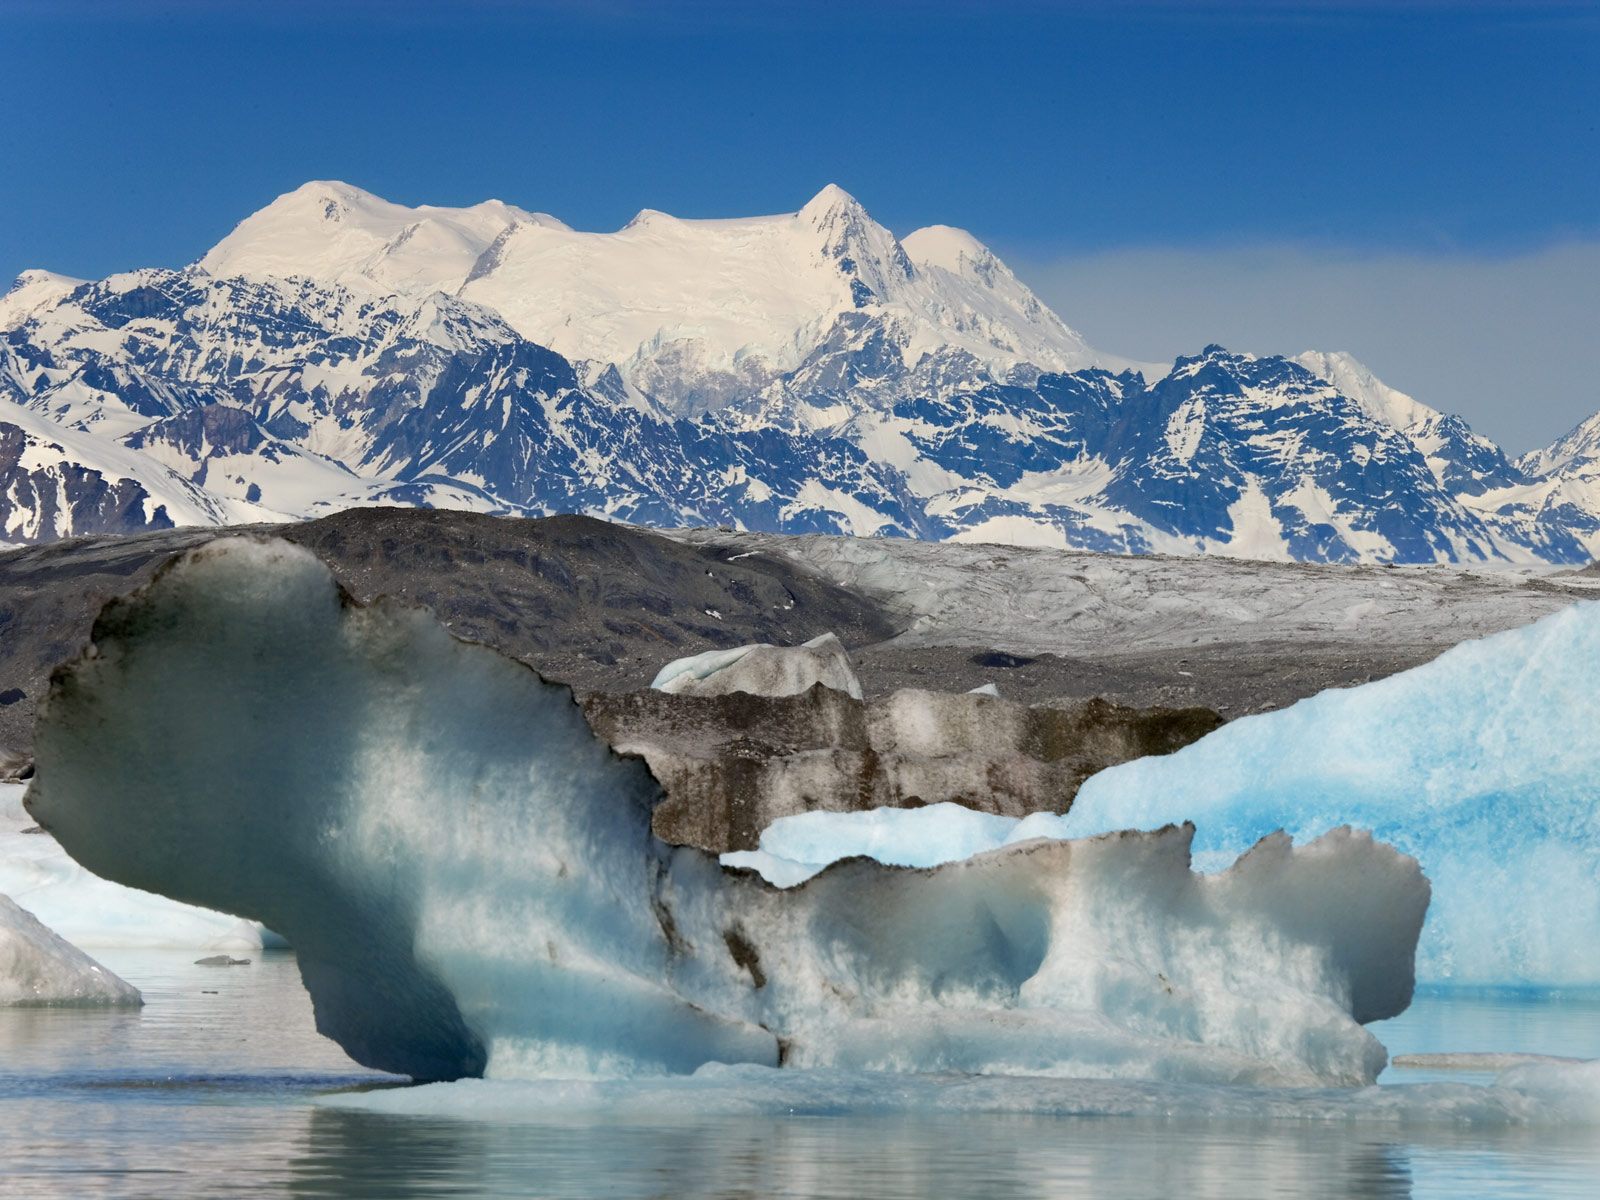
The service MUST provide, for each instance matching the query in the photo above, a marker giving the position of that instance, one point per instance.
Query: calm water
(207, 1092)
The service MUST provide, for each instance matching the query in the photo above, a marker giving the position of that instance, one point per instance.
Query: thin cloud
(1507, 342)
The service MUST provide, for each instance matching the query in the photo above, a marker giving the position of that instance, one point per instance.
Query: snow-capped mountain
(808, 372)
(697, 312)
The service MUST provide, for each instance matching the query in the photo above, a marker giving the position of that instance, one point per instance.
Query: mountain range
(806, 372)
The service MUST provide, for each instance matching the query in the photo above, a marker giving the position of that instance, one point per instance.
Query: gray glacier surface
(604, 607)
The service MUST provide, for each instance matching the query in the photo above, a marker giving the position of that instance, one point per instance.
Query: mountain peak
(330, 189)
(33, 290)
(947, 247)
(830, 203)
(330, 230)
(1354, 379)
(646, 217)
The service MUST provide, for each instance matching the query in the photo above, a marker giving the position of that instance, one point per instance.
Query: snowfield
(765, 290)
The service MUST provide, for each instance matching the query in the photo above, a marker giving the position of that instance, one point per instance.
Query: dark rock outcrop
(46, 499)
(732, 764)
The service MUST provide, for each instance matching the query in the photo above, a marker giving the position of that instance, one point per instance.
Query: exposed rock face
(732, 764)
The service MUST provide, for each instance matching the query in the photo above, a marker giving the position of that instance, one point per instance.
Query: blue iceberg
(1484, 765)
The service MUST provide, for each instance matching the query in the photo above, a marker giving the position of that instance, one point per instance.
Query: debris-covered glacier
(1484, 764)
(38, 967)
(470, 882)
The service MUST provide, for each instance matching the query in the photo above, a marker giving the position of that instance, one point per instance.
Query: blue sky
(1083, 141)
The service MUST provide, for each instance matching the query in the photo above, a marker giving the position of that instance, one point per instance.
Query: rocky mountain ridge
(806, 373)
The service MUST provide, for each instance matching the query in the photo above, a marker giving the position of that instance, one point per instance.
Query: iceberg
(468, 876)
(795, 848)
(38, 967)
(762, 670)
(95, 913)
(1483, 764)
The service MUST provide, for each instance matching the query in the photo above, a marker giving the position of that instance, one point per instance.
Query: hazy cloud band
(1508, 342)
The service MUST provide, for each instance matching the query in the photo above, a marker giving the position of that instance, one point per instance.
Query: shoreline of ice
(1543, 1095)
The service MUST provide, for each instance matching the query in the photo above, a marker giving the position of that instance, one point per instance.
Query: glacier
(468, 876)
(1483, 764)
(39, 967)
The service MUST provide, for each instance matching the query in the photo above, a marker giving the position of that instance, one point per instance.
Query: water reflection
(210, 1092)
(365, 1155)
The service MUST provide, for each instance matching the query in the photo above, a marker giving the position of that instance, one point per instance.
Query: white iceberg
(1483, 764)
(37, 967)
(95, 913)
(469, 879)
(795, 848)
(762, 670)
(1571, 1087)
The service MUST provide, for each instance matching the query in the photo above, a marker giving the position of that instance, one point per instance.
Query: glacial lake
(210, 1091)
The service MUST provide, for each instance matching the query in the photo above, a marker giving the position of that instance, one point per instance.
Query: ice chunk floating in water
(1484, 764)
(469, 878)
(38, 967)
(795, 848)
(762, 670)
